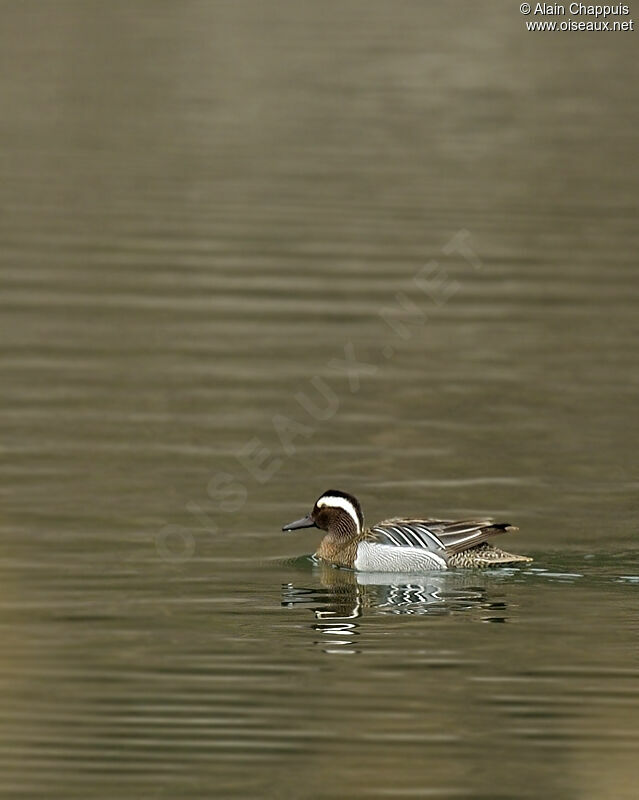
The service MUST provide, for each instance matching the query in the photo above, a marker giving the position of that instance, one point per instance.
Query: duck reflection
(344, 596)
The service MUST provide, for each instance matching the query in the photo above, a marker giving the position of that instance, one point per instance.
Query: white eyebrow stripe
(344, 504)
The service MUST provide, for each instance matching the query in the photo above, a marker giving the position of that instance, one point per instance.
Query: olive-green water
(252, 251)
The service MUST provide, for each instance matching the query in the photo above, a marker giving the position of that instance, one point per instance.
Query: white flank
(374, 557)
(340, 502)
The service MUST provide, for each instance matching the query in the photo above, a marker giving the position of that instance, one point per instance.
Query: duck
(399, 544)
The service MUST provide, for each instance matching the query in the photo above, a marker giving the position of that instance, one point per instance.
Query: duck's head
(334, 511)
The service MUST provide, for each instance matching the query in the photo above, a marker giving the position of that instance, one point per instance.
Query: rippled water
(208, 210)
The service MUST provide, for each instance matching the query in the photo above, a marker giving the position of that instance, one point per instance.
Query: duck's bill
(305, 522)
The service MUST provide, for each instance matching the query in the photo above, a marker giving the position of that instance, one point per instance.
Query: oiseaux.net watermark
(318, 400)
(571, 17)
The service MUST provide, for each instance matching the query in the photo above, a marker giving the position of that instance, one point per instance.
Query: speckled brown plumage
(485, 555)
(338, 550)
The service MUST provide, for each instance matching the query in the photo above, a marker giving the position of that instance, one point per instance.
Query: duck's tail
(485, 555)
(460, 536)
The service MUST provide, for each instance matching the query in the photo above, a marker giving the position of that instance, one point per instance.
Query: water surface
(207, 210)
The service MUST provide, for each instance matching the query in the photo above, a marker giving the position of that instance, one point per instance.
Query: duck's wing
(444, 537)
(410, 533)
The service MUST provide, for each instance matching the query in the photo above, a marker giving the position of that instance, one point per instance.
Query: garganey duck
(401, 545)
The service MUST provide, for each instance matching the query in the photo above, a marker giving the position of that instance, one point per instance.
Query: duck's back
(396, 545)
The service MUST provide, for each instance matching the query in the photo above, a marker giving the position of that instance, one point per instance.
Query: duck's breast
(375, 557)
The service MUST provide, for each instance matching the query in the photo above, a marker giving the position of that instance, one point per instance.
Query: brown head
(337, 513)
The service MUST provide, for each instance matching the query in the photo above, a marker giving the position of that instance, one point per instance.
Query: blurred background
(207, 209)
